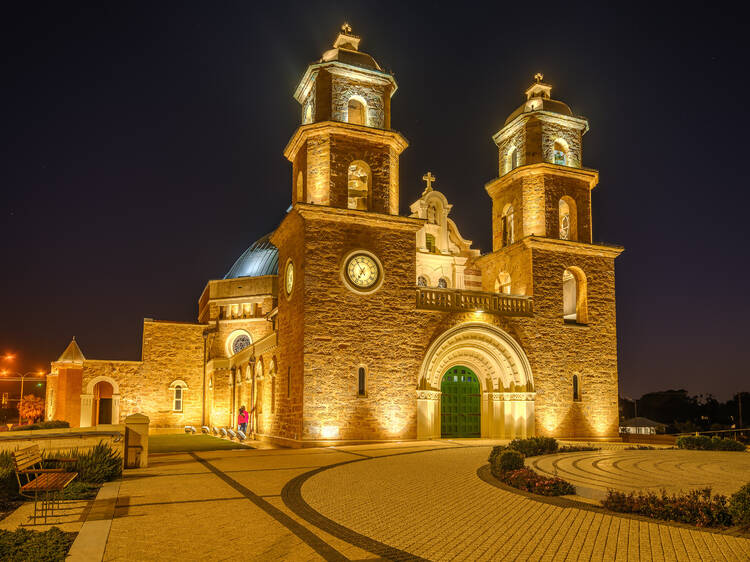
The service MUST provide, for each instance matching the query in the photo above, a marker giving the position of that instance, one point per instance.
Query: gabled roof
(72, 353)
(641, 422)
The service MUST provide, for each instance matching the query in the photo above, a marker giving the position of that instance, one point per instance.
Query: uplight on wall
(329, 431)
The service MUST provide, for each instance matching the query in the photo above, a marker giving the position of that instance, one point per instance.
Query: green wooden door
(460, 408)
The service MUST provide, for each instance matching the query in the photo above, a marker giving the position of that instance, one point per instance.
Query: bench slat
(50, 482)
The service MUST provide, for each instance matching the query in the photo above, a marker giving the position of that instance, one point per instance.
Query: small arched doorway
(460, 403)
(103, 392)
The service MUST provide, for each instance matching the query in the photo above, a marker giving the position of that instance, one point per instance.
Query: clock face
(289, 277)
(362, 271)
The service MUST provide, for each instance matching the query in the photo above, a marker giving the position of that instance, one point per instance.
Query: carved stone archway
(504, 373)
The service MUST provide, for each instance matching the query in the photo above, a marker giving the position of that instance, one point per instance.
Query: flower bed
(697, 507)
(528, 480)
(704, 443)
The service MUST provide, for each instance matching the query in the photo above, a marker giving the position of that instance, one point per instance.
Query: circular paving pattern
(672, 470)
(432, 504)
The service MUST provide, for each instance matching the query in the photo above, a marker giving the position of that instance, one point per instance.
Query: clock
(289, 277)
(362, 271)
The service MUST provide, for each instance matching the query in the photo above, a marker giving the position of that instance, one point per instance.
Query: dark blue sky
(143, 153)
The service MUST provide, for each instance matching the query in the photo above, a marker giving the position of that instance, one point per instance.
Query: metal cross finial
(428, 178)
(538, 77)
(346, 28)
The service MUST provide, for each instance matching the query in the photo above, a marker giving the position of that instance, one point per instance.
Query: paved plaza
(400, 501)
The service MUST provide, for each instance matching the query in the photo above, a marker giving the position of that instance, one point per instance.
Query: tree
(31, 407)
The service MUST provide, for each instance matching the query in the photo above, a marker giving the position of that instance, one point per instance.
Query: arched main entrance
(102, 403)
(502, 372)
(460, 403)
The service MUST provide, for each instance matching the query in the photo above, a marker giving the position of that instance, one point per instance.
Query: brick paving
(399, 501)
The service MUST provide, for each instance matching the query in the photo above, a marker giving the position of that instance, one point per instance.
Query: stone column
(509, 422)
(115, 408)
(497, 430)
(87, 407)
(428, 414)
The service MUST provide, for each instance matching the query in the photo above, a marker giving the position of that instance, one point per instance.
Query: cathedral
(351, 322)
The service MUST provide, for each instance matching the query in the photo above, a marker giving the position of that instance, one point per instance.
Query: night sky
(142, 153)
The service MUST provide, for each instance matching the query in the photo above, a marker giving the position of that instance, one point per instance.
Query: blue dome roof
(261, 258)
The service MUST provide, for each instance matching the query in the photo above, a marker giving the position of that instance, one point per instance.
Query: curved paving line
(291, 494)
(484, 474)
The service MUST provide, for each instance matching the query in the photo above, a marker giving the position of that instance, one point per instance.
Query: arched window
(356, 112)
(442, 283)
(178, 389)
(430, 243)
(513, 159)
(272, 372)
(359, 185)
(308, 113)
(560, 152)
(576, 388)
(502, 283)
(507, 226)
(568, 222)
(361, 381)
(432, 214)
(575, 308)
(421, 281)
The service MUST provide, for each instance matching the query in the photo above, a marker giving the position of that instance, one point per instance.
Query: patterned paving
(399, 501)
(433, 505)
(672, 470)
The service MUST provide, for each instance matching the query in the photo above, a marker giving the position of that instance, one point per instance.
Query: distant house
(642, 426)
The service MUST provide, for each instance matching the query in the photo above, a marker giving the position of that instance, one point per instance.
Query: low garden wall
(65, 439)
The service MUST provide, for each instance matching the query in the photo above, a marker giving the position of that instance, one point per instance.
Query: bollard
(136, 441)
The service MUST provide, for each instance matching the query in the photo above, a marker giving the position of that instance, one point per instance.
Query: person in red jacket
(242, 420)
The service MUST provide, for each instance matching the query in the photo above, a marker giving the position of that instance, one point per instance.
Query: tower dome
(538, 98)
(261, 258)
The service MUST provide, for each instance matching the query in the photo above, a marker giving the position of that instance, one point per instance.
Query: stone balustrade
(454, 300)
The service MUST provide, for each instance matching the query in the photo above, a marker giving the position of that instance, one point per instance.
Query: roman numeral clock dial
(362, 271)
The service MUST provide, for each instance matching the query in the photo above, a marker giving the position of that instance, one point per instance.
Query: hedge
(52, 424)
(23, 545)
(697, 507)
(705, 443)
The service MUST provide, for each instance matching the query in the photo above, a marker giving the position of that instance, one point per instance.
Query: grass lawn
(185, 442)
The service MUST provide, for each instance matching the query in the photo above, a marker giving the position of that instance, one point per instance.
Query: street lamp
(7, 373)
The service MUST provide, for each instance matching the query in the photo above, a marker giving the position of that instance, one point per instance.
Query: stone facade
(317, 358)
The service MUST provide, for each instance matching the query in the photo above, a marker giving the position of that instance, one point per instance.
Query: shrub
(8, 482)
(704, 443)
(739, 506)
(96, 465)
(528, 480)
(22, 544)
(534, 446)
(52, 424)
(577, 448)
(640, 448)
(697, 507)
(506, 461)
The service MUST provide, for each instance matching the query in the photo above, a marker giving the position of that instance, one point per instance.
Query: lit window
(430, 243)
(575, 309)
(361, 381)
(359, 185)
(567, 218)
(560, 153)
(356, 113)
(513, 159)
(442, 283)
(502, 283)
(178, 388)
(508, 228)
(421, 281)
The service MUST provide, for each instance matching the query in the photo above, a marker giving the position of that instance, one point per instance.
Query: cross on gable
(428, 178)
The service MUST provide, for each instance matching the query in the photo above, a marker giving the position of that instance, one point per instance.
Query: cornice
(587, 175)
(549, 116)
(369, 218)
(377, 76)
(569, 246)
(370, 134)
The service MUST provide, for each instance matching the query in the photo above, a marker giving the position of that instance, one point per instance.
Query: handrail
(456, 300)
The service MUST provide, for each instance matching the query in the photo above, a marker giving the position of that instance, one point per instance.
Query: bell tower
(345, 154)
(542, 188)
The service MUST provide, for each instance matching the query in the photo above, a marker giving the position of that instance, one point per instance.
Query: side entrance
(461, 404)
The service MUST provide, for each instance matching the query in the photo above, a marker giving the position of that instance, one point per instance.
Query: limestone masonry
(350, 322)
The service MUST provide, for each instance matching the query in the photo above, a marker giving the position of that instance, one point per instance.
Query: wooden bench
(36, 482)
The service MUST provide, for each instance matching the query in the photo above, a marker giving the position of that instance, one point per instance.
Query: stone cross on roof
(428, 178)
(538, 77)
(346, 28)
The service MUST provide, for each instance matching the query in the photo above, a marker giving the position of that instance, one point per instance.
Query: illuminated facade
(351, 322)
